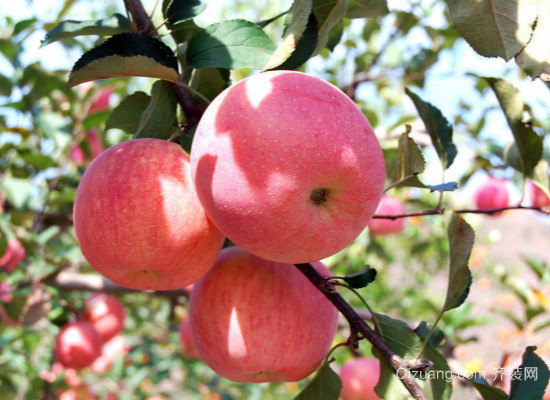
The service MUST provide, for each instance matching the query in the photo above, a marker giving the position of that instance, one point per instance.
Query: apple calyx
(319, 196)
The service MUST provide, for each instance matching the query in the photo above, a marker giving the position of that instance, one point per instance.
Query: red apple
(76, 154)
(359, 376)
(15, 253)
(106, 314)
(287, 166)
(115, 347)
(537, 196)
(101, 100)
(138, 220)
(78, 345)
(254, 320)
(187, 345)
(493, 193)
(388, 206)
(94, 141)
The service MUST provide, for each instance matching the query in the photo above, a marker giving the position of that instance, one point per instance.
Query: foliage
(162, 75)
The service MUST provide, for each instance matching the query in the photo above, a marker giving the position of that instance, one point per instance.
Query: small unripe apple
(287, 166)
(15, 253)
(78, 345)
(491, 194)
(138, 220)
(188, 347)
(359, 376)
(254, 320)
(106, 313)
(537, 196)
(388, 206)
(101, 101)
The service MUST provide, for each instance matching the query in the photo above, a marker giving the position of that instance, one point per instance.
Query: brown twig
(358, 324)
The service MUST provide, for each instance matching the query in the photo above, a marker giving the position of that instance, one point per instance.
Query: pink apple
(187, 345)
(359, 376)
(493, 193)
(15, 253)
(138, 220)
(106, 313)
(80, 393)
(110, 351)
(388, 206)
(78, 345)
(5, 292)
(537, 196)
(287, 166)
(76, 154)
(94, 141)
(101, 100)
(254, 320)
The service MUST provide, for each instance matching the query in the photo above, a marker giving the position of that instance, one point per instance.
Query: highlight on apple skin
(254, 320)
(359, 376)
(78, 345)
(491, 194)
(287, 166)
(138, 220)
(384, 226)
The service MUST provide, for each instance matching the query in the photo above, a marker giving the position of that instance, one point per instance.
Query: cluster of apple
(282, 164)
(93, 341)
(494, 194)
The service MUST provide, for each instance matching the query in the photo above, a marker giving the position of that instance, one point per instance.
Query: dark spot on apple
(319, 196)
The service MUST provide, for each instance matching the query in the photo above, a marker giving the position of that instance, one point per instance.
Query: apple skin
(254, 320)
(110, 350)
(359, 376)
(188, 347)
(15, 253)
(537, 196)
(101, 100)
(106, 313)
(138, 220)
(388, 206)
(493, 193)
(78, 345)
(287, 166)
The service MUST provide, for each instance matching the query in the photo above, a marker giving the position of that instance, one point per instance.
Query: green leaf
(126, 54)
(486, 391)
(494, 28)
(177, 11)
(535, 57)
(6, 86)
(461, 241)
(159, 117)
(440, 130)
(231, 44)
(210, 81)
(124, 115)
(540, 176)
(529, 144)
(362, 278)
(435, 338)
(23, 26)
(406, 343)
(410, 160)
(295, 26)
(39, 161)
(328, 14)
(530, 379)
(367, 8)
(112, 25)
(325, 385)
(16, 306)
(18, 191)
(443, 187)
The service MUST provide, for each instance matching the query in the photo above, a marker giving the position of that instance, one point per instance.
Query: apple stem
(358, 324)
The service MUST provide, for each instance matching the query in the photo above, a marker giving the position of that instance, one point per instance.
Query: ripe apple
(359, 376)
(106, 313)
(388, 206)
(78, 345)
(101, 100)
(113, 348)
(94, 141)
(187, 345)
(254, 320)
(138, 220)
(493, 193)
(76, 154)
(537, 196)
(15, 253)
(287, 166)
